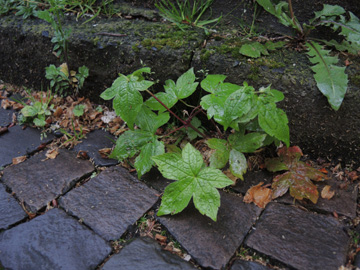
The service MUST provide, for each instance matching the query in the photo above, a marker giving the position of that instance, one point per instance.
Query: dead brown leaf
(3, 130)
(105, 152)
(58, 112)
(231, 176)
(160, 238)
(52, 153)
(259, 195)
(18, 160)
(7, 104)
(82, 155)
(326, 193)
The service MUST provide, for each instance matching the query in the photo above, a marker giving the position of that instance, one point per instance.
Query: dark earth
(70, 213)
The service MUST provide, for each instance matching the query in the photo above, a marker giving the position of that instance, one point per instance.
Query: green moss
(269, 62)
(355, 79)
(205, 54)
(254, 73)
(136, 48)
(231, 46)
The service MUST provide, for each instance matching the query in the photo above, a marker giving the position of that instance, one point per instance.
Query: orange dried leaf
(326, 193)
(259, 195)
(58, 112)
(323, 170)
(18, 160)
(160, 238)
(52, 153)
(105, 152)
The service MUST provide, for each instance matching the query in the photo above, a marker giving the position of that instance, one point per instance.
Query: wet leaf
(194, 181)
(259, 195)
(105, 152)
(298, 177)
(52, 153)
(18, 160)
(326, 193)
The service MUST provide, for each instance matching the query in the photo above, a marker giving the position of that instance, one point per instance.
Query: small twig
(111, 34)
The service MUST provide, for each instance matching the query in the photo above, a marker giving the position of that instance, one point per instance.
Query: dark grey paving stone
(110, 202)
(300, 239)
(210, 243)
(37, 181)
(5, 117)
(52, 241)
(18, 142)
(252, 178)
(155, 180)
(10, 210)
(246, 265)
(145, 253)
(95, 141)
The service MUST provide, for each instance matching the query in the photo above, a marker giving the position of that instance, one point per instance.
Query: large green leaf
(168, 98)
(147, 120)
(274, 122)
(253, 49)
(127, 99)
(220, 157)
(185, 84)
(129, 143)
(194, 180)
(143, 162)
(330, 79)
(248, 143)
(238, 163)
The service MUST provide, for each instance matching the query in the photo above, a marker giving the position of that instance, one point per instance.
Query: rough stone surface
(19, 142)
(10, 210)
(145, 253)
(52, 241)
(300, 239)
(5, 117)
(110, 202)
(246, 265)
(38, 181)
(95, 141)
(252, 178)
(210, 243)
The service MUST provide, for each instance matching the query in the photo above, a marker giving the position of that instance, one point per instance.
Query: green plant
(330, 78)
(37, 111)
(61, 79)
(26, 9)
(298, 176)
(7, 5)
(253, 115)
(186, 13)
(195, 180)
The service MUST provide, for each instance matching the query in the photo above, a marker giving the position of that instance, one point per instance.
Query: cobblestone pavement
(66, 213)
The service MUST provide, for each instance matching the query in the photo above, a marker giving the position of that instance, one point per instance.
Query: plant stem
(185, 123)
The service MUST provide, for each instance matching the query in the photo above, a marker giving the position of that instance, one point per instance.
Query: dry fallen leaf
(160, 238)
(232, 177)
(82, 155)
(105, 152)
(52, 153)
(18, 160)
(326, 193)
(259, 195)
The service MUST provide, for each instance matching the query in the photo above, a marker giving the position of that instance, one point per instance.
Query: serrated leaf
(272, 46)
(127, 98)
(254, 50)
(330, 79)
(39, 122)
(220, 157)
(29, 111)
(147, 120)
(297, 179)
(143, 162)
(185, 84)
(238, 163)
(248, 143)
(212, 82)
(194, 180)
(169, 99)
(130, 143)
(79, 110)
(236, 105)
(192, 134)
(274, 122)
(327, 11)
